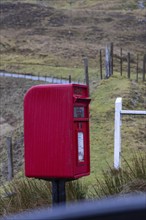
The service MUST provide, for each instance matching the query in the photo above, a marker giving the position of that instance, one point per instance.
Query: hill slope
(60, 33)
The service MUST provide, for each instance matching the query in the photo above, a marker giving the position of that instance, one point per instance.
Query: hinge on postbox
(80, 99)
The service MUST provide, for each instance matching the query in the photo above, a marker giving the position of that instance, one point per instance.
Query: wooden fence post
(69, 78)
(100, 64)
(137, 68)
(107, 62)
(10, 158)
(144, 67)
(121, 61)
(111, 58)
(128, 60)
(38, 76)
(86, 71)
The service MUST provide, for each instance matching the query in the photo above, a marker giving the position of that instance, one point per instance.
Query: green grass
(45, 66)
(130, 179)
(102, 110)
(22, 194)
(102, 121)
(25, 194)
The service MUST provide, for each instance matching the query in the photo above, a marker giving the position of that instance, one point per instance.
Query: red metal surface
(51, 131)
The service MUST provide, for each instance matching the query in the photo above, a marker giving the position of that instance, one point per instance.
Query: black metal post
(58, 191)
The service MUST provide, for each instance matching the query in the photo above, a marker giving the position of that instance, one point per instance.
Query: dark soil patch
(25, 27)
(23, 15)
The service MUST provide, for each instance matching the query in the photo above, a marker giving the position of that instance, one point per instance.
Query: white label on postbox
(80, 146)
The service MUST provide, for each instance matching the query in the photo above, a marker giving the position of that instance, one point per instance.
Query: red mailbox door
(81, 135)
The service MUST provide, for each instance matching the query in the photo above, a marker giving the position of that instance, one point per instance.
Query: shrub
(23, 194)
(76, 190)
(132, 178)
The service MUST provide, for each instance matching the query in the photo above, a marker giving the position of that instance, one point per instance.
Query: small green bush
(23, 194)
(76, 190)
(131, 178)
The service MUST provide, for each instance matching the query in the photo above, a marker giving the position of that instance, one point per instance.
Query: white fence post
(117, 133)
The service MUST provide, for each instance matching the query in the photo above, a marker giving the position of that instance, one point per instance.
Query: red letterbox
(56, 131)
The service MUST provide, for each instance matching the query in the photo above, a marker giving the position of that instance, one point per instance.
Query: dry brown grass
(64, 34)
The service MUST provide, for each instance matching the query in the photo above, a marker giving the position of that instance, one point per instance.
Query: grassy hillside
(102, 121)
(39, 35)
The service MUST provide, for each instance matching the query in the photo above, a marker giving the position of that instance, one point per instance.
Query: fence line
(131, 65)
(127, 64)
(49, 79)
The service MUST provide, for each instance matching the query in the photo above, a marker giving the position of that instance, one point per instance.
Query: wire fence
(43, 79)
(112, 61)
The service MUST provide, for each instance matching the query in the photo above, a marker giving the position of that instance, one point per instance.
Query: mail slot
(56, 131)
